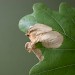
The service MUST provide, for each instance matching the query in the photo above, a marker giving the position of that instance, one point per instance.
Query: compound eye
(27, 35)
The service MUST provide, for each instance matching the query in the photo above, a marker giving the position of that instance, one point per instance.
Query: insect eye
(28, 35)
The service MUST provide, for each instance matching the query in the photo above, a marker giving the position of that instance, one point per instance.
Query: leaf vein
(56, 68)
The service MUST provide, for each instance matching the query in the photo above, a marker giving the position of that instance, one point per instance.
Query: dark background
(14, 59)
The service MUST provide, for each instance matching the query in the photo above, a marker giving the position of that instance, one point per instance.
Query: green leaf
(60, 61)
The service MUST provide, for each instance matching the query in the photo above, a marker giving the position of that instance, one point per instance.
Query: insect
(44, 34)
